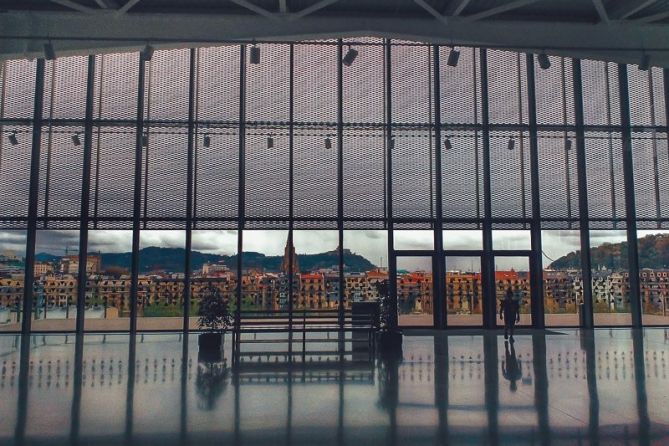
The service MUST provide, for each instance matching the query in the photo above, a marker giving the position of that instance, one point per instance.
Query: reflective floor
(556, 387)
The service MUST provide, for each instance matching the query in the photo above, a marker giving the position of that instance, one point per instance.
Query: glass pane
(512, 277)
(463, 291)
(318, 270)
(610, 278)
(265, 271)
(414, 291)
(417, 240)
(511, 240)
(463, 240)
(562, 279)
(654, 276)
(12, 264)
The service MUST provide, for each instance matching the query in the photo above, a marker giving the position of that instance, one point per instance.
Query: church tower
(285, 263)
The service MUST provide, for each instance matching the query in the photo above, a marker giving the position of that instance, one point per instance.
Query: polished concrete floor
(566, 387)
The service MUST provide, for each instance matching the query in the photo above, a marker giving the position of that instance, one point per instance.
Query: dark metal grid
(507, 81)
(606, 188)
(462, 175)
(460, 88)
(19, 88)
(510, 175)
(267, 92)
(558, 178)
(15, 175)
(650, 154)
(411, 78)
(601, 93)
(315, 83)
(646, 94)
(555, 92)
(65, 88)
(115, 92)
(218, 84)
(363, 86)
(413, 174)
(167, 86)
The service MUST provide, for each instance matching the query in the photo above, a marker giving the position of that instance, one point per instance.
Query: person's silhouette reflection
(511, 367)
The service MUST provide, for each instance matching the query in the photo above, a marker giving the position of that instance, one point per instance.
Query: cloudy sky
(370, 244)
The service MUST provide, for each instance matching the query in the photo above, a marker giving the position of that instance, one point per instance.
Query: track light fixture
(145, 139)
(328, 142)
(147, 53)
(453, 57)
(392, 143)
(350, 56)
(512, 144)
(76, 140)
(567, 145)
(206, 141)
(447, 144)
(544, 61)
(49, 52)
(254, 55)
(644, 65)
(270, 142)
(13, 139)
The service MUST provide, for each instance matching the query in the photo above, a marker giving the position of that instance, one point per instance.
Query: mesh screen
(558, 177)
(555, 92)
(460, 87)
(65, 87)
(315, 83)
(267, 85)
(61, 170)
(113, 173)
(651, 175)
(364, 175)
(217, 174)
(601, 104)
(604, 169)
(315, 173)
(218, 83)
(19, 88)
(363, 86)
(116, 83)
(411, 84)
(164, 181)
(507, 87)
(15, 172)
(462, 176)
(267, 174)
(413, 174)
(167, 85)
(646, 95)
(510, 180)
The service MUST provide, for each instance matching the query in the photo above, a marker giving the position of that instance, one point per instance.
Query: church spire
(285, 263)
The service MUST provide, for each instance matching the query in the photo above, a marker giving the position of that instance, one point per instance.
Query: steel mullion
(440, 274)
(188, 267)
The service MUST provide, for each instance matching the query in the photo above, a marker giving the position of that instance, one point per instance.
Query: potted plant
(389, 337)
(214, 319)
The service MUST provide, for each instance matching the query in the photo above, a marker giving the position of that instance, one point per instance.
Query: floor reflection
(565, 387)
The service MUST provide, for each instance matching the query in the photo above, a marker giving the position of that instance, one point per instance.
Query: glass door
(415, 290)
(463, 292)
(512, 276)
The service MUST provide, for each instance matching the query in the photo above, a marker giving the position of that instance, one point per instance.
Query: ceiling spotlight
(328, 143)
(147, 53)
(13, 139)
(145, 139)
(270, 142)
(512, 144)
(350, 56)
(567, 145)
(49, 52)
(76, 140)
(645, 62)
(453, 58)
(447, 144)
(206, 141)
(544, 61)
(254, 55)
(392, 143)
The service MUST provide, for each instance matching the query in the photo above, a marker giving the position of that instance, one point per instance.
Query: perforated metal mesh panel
(558, 178)
(364, 178)
(462, 175)
(65, 87)
(61, 170)
(364, 84)
(116, 83)
(315, 173)
(555, 92)
(15, 173)
(651, 175)
(601, 104)
(604, 169)
(646, 94)
(460, 87)
(167, 77)
(164, 181)
(507, 87)
(315, 83)
(112, 176)
(217, 174)
(267, 85)
(413, 175)
(510, 180)
(267, 175)
(19, 88)
(218, 83)
(411, 84)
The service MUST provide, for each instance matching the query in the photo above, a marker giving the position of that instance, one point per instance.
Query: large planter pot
(210, 346)
(389, 343)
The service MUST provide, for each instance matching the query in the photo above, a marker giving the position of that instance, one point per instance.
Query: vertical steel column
(137, 198)
(536, 264)
(291, 189)
(340, 179)
(488, 266)
(630, 204)
(440, 274)
(188, 267)
(541, 382)
(33, 197)
(584, 217)
(392, 267)
(241, 191)
(82, 277)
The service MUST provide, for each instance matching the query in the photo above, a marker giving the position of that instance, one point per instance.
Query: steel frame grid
(579, 128)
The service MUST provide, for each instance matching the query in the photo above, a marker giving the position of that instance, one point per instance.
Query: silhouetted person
(509, 312)
(511, 368)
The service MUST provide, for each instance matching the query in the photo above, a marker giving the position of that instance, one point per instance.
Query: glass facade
(473, 169)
